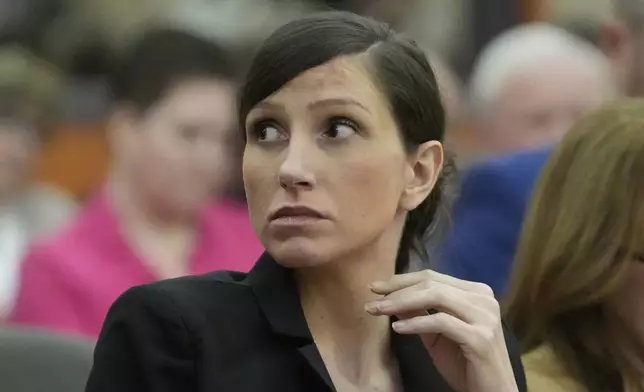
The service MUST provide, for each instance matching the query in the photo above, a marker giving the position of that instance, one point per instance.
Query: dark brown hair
(397, 63)
(163, 57)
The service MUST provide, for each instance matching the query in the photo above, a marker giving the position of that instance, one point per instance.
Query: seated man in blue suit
(487, 218)
(516, 103)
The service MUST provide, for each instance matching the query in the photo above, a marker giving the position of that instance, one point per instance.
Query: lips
(295, 212)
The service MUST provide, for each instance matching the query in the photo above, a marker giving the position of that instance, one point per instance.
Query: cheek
(260, 184)
(165, 147)
(504, 123)
(156, 163)
(164, 154)
(368, 192)
(627, 300)
(164, 169)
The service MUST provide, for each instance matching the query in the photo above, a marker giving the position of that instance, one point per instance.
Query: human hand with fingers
(459, 323)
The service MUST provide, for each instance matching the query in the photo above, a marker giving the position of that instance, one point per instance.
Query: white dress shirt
(13, 244)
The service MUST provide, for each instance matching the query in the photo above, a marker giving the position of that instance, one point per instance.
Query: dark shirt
(229, 331)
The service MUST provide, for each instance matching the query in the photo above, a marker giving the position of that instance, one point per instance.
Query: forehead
(343, 77)
(198, 89)
(198, 99)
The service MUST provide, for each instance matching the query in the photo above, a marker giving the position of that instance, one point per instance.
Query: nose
(294, 172)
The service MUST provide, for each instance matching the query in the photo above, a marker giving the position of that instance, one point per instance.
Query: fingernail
(399, 326)
(371, 307)
(383, 306)
(376, 285)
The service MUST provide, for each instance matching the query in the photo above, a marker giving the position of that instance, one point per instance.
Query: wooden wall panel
(75, 159)
(533, 10)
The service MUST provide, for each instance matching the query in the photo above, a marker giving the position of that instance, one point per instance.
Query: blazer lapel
(417, 370)
(276, 293)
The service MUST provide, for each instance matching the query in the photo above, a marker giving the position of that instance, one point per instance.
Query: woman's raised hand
(459, 323)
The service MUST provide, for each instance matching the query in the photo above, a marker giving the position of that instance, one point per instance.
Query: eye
(188, 133)
(268, 131)
(540, 120)
(341, 128)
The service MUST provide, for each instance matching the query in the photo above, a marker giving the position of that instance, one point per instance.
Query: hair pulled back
(398, 65)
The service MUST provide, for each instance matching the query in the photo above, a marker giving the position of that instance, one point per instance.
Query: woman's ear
(425, 166)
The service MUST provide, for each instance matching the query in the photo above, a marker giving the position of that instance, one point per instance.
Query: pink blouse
(69, 281)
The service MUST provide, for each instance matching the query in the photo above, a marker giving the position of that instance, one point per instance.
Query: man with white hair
(622, 41)
(449, 86)
(531, 83)
(529, 86)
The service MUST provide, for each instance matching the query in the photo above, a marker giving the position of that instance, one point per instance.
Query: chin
(298, 252)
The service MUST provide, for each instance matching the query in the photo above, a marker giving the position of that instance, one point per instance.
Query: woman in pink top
(155, 218)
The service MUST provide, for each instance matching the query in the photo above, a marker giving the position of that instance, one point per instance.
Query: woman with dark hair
(343, 123)
(29, 210)
(155, 217)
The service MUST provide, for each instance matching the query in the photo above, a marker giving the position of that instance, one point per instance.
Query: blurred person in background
(155, 217)
(450, 89)
(28, 211)
(575, 296)
(622, 40)
(552, 78)
(530, 84)
(458, 136)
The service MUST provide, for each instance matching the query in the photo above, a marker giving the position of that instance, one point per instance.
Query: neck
(333, 298)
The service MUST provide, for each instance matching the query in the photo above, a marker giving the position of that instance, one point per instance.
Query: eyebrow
(317, 104)
(336, 101)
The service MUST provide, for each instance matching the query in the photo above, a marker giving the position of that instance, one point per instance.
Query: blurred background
(80, 40)
(95, 106)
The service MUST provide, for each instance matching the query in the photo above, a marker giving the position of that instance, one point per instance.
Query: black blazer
(228, 331)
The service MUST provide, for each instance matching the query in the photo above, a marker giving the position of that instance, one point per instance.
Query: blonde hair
(29, 86)
(582, 232)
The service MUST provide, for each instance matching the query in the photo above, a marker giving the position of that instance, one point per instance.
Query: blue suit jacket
(488, 216)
